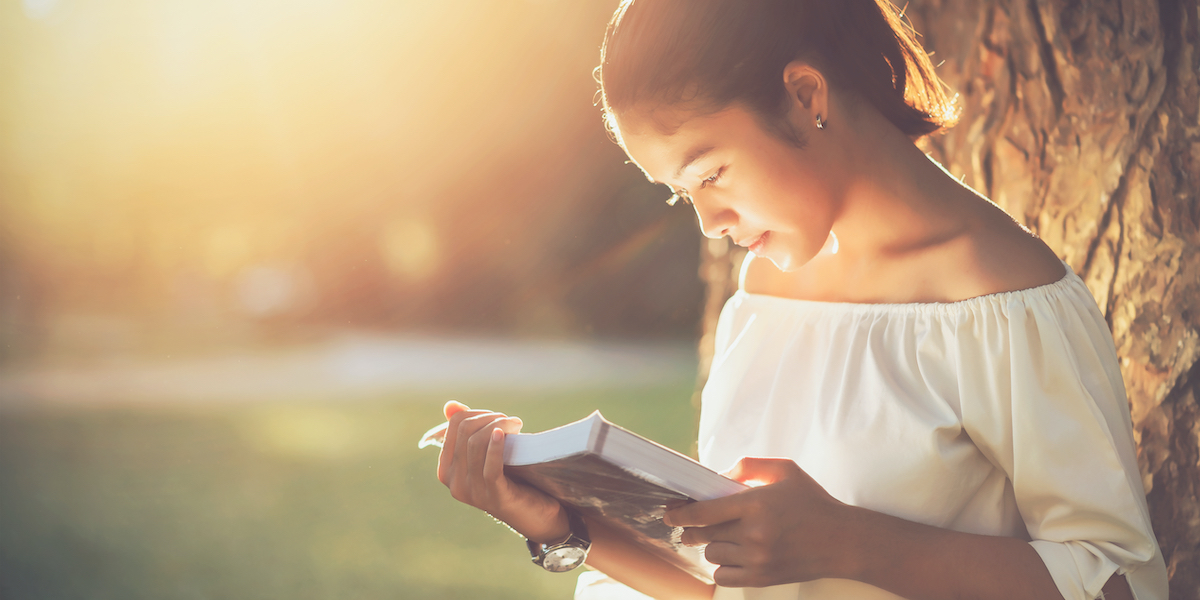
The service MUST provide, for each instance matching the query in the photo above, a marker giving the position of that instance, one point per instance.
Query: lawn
(282, 500)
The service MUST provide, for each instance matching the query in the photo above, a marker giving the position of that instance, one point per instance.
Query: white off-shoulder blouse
(999, 415)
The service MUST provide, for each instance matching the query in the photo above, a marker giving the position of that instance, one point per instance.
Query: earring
(820, 123)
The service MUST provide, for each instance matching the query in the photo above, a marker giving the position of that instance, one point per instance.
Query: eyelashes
(682, 195)
(713, 179)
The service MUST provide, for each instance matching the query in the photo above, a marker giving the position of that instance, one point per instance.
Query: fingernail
(497, 434)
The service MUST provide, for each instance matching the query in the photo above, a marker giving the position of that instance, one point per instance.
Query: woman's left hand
(789, 529)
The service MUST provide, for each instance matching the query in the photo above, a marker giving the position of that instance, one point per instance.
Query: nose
(715, 222)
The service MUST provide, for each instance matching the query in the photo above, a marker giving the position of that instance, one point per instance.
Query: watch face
(564, 558)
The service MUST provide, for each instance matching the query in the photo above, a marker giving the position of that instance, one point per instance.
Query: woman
(939, 394)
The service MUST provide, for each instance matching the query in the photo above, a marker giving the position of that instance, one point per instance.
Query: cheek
(805, 211)
(802, 205)
(821, 198)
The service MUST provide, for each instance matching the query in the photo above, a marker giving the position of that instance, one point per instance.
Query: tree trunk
(720, 264)
(1082, 120)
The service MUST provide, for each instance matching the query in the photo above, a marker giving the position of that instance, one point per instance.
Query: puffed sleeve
(1042, 398)
(594, 585)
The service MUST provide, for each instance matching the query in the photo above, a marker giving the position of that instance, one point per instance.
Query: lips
(755, 244)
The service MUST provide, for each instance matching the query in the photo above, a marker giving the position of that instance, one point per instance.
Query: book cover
(626, 481)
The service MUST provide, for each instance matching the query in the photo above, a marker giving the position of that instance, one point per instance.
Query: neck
(897, 200)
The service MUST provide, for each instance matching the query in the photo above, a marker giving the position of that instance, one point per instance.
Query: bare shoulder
(1000, 255)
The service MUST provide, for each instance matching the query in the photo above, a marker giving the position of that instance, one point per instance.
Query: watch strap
(577, 540)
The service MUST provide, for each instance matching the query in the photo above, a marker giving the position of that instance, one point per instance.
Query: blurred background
(249, 247)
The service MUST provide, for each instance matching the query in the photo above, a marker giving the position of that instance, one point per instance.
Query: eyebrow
(693, 156)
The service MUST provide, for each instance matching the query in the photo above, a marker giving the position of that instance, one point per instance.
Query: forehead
(662, 141)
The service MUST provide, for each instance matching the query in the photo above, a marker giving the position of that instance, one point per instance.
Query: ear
(807, 89)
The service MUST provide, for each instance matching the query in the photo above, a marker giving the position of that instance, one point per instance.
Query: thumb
(752, 470)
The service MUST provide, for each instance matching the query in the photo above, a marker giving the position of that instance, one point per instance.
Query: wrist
(565, 554)
(883, 549)
(550, 529)
(859, 544)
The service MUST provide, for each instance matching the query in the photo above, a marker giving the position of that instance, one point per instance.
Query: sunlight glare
(410, 248)
(38, 9)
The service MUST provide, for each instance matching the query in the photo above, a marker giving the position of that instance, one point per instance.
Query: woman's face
(765, 193)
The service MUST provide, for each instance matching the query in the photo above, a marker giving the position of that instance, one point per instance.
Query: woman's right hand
(472, 466)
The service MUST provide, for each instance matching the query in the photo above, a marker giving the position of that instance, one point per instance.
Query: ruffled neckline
(1042, 292)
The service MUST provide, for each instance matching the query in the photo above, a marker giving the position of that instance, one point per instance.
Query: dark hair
(716, 52)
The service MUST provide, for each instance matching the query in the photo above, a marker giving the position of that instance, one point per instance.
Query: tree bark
(1082, 120)
(720, 265)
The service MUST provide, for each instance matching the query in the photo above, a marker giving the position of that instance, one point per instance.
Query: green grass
(293, 501)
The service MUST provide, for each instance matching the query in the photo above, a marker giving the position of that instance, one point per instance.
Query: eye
(682, 195)
(713, 179)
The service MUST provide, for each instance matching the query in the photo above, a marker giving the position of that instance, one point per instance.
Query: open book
(613, 475)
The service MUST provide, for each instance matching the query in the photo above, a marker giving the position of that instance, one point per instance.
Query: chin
(790, 262)
(785, 264)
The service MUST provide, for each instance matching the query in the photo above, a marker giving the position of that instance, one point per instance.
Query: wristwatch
(567, 554)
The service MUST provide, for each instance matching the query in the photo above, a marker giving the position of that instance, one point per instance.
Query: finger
(722, 532)
(446, 456)
(456, 412)
(452, 444)
(453, 407)
(674, 504)
(726, 554)
(708, 512)
(454, 418)
(493, 464)
(732, 576)
(474, 456)
(753, 470)
(467, 428)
